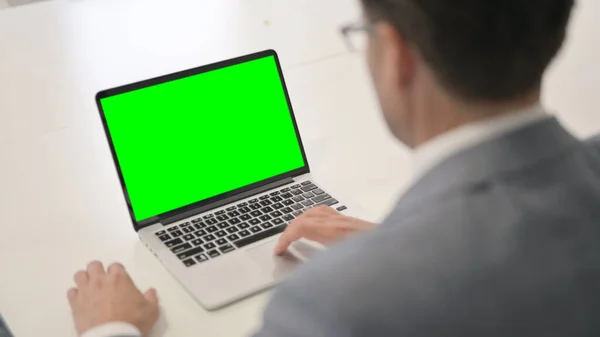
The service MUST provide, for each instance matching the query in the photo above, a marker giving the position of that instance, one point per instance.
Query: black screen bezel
(186, 73)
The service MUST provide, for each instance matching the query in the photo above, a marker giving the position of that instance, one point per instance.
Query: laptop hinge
(234, 198)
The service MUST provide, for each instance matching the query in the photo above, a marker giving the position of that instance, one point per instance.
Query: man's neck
(448, 114)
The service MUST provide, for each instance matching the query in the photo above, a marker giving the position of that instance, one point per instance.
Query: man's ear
(397, 55)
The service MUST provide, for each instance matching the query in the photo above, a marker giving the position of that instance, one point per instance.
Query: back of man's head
(481, 50)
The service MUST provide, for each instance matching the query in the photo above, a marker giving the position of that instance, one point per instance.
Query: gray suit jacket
(502, 239)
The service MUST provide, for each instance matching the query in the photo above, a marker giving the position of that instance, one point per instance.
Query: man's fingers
(72, 295)
(81, 278)
(151, 296)
(95, 269)
(290, 235)
(116, 269)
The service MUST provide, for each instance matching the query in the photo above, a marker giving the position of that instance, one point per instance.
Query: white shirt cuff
(113, 330)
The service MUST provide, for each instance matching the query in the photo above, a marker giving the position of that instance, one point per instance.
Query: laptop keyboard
(224, 231)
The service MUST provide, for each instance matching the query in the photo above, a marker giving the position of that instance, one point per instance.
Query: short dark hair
(481, 49)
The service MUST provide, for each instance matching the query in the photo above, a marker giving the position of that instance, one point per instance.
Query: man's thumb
(151, 296)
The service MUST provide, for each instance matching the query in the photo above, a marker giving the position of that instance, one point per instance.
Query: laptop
(213, 169)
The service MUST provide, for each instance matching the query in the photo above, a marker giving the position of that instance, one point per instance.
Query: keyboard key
(307, 203)
(211, 221)
(276, 199)
(277, 206)
(209, 237)
(260, 236)
(243, 204)
(189, 237)
(255, 229)
(267, 209)
(287, 210)
(264, 197)
(213, 254)
(287, 195)
(160, 233)
(234, 221)
(229, 209)
(309, 188)
(244, 233)
(287, 189)
(212, 229)
(288, 217)
(181, 248)
(223, 225)
(256, 213)
(200, 233)
(296, 206)
(197, 242)
(306, 183)
(220, 234)
(297, 192)
(274, 193)
(308, 195)
(201, 258)
(295, 186)
(190, 253)
(222, 217)
(188, 229)
(321, 197)
(341, 208)
(200, 225)
(265, 218)
(297, 213)
(277, 221)
(288, 202)
(244, 210)
(226, 249)
(253, 201)
(183, 225)
(328, 202)
(221, 212)
(164, 237)
(231, 230)
(189, 262)
(196, 220)
(318, 191)
(255, 206)
(173, 229)
(233, 237)
(298, 198)
(221, 242)
(173, 243)
(176, 234)
(208, 216)
(245, 217)
(276, 214)
(252, 222)
(210, 245)
(265, 225)
(266, 202)
(233, 214)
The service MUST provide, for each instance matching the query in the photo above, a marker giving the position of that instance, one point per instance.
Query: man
(498, 236)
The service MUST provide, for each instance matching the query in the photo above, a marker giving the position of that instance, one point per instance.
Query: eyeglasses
(356, 35)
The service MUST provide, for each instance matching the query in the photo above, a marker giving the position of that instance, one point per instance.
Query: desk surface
(60, 199)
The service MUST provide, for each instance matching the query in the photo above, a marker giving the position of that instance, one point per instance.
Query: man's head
(435, 54)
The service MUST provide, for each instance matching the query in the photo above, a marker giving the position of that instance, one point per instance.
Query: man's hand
(110, 296)
(321, 224)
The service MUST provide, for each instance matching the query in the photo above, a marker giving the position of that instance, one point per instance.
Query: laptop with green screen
(212, 166)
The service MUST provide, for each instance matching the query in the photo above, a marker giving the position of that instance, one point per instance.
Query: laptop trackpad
(278, 267)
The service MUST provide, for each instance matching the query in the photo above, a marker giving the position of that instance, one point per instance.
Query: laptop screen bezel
(182, 74)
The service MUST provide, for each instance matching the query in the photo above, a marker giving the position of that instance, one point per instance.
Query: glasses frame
(357, 27)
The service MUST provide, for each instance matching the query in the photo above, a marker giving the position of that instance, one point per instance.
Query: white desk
(60, 200)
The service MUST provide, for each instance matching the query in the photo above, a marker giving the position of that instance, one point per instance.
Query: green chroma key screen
(197, 137)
